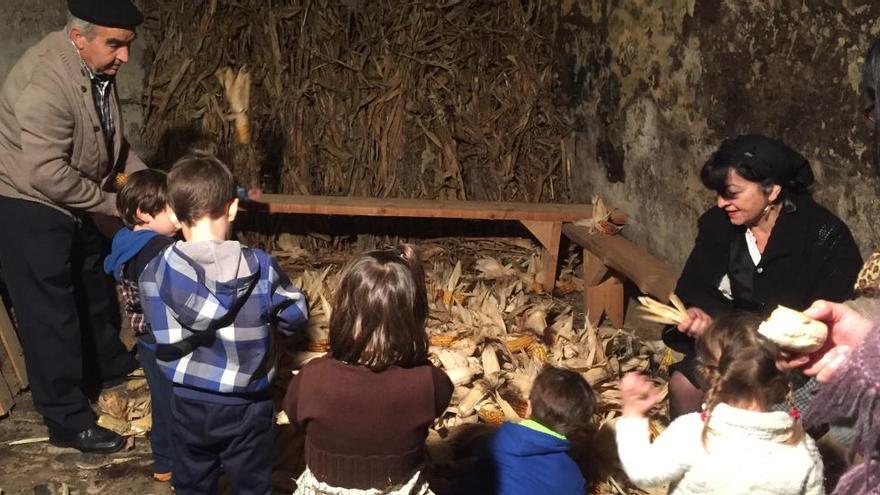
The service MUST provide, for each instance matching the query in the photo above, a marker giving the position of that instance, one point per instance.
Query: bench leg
(549, 234)
(603, 292)
(6, 400)
(12, 347)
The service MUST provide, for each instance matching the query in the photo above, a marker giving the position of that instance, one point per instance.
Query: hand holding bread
(794, 331)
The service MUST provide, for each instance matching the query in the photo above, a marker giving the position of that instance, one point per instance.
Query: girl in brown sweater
(368, 404)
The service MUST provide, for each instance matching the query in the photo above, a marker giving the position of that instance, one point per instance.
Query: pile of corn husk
(125, 408)
(492, 328)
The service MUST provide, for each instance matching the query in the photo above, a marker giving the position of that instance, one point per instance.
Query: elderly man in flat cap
(61, 148)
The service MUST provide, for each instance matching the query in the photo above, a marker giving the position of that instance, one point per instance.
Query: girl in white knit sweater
(736, 445)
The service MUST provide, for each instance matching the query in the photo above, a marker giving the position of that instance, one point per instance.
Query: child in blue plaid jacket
(211, 305)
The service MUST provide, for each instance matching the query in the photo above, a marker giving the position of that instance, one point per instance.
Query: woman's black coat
(810, 255)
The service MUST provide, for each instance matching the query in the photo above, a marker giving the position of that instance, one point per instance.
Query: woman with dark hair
(765, 243)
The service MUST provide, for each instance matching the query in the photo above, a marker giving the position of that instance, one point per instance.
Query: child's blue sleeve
(289, 307)
(155, 315)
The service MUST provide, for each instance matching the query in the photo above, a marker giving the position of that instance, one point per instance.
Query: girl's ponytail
(710, 402)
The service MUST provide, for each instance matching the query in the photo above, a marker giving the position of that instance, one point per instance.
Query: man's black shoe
(95, 439)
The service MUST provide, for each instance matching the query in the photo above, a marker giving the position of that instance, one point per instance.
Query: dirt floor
(42, 469)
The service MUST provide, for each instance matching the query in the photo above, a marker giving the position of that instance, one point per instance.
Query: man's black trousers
(67, 320)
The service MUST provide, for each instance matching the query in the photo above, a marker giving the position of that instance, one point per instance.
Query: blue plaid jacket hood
(213, 335)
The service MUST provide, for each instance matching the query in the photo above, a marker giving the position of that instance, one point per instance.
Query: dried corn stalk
(237, 88)
(371, 98)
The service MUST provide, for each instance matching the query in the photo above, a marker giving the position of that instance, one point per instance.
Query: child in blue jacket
(143, 207)
(531, 457)
(212, 305)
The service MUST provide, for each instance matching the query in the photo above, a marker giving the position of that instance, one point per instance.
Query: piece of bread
(794, 331)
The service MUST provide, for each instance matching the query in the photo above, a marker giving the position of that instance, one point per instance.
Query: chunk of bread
(794, 331)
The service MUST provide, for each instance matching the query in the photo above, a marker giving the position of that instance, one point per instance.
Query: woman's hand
(847, 330)
(696, 323)
(638, 395)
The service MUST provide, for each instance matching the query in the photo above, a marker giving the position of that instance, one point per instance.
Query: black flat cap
(108, 13)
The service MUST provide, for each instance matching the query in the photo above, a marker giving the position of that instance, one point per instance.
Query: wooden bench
(10, 384)
(608, 259)
(543, 220)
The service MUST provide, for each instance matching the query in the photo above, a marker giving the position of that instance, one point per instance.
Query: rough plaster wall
(656, 84)
(27, 22)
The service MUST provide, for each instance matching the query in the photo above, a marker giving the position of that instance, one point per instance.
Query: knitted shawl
(855, 393)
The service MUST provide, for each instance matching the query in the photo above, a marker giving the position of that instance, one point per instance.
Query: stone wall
(27, 22)
(655, 85)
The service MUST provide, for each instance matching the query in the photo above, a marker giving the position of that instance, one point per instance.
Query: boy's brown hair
(379, 311)
(145, 190)
(740, 366)
(200, 186)
(562, 400)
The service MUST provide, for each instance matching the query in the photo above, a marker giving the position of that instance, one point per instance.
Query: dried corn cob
(538, 352)
(520, 342)
(320, 345)
(491, 415)
(237, 88)
(443, 340)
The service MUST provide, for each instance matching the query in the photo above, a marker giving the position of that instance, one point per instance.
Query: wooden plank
(6, 400)
(594, 269)
(605, 299)
(549, 234)
(13, 347)
(614, 301)
(651, 276)
(426, 208)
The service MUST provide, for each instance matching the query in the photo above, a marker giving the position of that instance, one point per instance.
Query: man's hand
(847, 330)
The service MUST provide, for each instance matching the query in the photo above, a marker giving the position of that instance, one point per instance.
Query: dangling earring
(767, 209)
